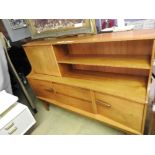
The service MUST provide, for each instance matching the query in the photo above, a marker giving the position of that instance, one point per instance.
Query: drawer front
(120, 110)
(72, 91)
(74, 102)
(19, 125)
(42, 88)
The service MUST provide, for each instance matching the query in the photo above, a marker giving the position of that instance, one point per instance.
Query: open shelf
(120, 85)
(124, 61)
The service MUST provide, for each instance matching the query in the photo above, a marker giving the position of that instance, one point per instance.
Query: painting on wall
(44, 25)
(17, 23)
(41, 28)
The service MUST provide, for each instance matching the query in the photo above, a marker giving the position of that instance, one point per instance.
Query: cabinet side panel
(150, 73)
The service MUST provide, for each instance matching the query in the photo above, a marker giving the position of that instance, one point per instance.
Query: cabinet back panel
(60, 51)
(136, 47)
(129, 71)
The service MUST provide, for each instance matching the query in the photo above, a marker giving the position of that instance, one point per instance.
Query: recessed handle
(105, 104)
(12, 131)
(49, 90)
(9, 126)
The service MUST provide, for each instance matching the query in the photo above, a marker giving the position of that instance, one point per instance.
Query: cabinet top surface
(104, 37)
(132, 88)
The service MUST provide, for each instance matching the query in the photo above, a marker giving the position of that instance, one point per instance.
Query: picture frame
(17, 23)
(47, 28)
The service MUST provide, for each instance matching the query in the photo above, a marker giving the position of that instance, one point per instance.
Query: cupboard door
(42, 59)
(120, 110)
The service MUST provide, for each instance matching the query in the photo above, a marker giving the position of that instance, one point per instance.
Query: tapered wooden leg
(46, 105)
(152, 124)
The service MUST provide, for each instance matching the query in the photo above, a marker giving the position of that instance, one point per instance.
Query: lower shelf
(93, 116)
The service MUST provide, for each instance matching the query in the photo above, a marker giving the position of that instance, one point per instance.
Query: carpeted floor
(58, 121)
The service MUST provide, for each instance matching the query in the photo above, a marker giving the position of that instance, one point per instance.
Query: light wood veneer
(105, 77)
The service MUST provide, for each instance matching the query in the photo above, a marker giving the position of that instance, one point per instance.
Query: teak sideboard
(105, 77)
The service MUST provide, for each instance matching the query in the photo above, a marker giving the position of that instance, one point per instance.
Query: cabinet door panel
(72, 91)
(42, 88)
(120, 110)
(42, 60)
(74, 102)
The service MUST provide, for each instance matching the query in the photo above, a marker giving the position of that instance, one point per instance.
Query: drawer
(120, 110)
(74, 102)
(42, 88)
(19, 125)
(72, 91)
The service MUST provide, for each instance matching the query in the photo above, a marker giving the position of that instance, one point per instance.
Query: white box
(6, 101)
(17, 121)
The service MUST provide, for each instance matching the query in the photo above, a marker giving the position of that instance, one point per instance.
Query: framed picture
(105, 25)
(41, 28)
(17, 23)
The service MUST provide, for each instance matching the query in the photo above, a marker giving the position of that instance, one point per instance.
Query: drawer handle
(13, 130)
(49, 90)
(105, 104)
(9, 126)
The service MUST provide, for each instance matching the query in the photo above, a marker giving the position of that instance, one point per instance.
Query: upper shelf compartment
(137, 62)
(107, 56)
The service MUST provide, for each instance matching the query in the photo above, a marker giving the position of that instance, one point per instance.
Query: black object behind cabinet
(19, 60)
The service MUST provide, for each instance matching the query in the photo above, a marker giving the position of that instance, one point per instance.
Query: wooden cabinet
(105, 77)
